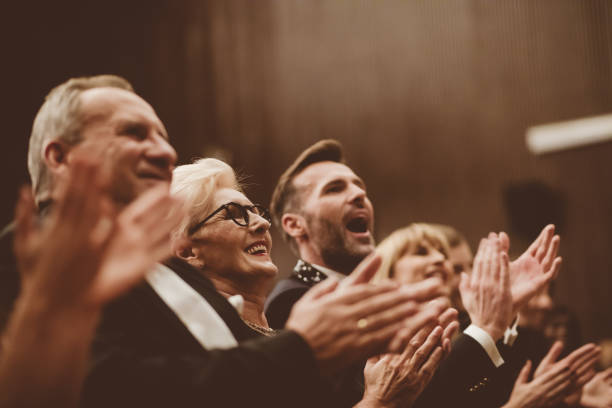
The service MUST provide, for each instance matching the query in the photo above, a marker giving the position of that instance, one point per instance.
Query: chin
(148, 183)
(264, 268)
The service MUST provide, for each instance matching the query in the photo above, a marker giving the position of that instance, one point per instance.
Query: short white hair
(59, 119)
(196, 184)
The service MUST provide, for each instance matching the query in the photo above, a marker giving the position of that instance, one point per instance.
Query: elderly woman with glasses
(226, 237)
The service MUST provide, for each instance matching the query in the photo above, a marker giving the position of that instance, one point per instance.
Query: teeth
(257, 248)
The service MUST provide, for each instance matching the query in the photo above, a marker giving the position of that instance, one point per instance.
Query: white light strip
(567, 135)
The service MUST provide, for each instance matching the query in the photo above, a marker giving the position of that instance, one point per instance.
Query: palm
(537, 266)
(527, 277)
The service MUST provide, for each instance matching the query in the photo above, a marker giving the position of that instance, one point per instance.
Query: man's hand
(535, 268)
(356, 320)
(140, 238)
(82, 255)
(486, 292)
(597, 393)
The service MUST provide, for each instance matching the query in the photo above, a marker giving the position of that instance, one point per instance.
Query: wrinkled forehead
(321, 173)
(114, 104)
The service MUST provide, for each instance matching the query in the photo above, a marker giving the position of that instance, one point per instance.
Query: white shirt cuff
(511, 333)
(484, 339)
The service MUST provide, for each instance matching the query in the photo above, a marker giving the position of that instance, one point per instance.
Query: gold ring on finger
(362, 323)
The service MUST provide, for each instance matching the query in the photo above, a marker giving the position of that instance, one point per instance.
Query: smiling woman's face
(223, 248)
(424, 260)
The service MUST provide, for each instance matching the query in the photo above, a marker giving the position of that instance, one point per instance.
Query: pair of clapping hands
(85, 252)
(492, 295)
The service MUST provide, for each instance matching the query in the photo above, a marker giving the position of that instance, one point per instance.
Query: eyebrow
(355, 180)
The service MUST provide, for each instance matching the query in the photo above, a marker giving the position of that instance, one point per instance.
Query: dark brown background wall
(431, 100)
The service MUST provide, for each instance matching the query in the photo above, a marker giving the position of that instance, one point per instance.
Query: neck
(254, 298)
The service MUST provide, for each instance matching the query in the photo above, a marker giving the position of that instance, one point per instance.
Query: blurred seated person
(413, 254)
(72, 263)
(420, 250)
(461, 257)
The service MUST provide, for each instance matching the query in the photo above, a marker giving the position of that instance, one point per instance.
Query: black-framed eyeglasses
(236, 212)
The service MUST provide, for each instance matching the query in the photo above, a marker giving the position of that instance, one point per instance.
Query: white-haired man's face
(125, 132)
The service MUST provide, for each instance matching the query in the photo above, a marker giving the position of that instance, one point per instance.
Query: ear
(184, 250)
(294, 225)
(54, 154)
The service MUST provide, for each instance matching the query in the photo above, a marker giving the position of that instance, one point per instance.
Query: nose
(258, 224)
(358, 196)
(161, 153)
(437, 257)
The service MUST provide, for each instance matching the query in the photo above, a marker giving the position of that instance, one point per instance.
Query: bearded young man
(323, 211)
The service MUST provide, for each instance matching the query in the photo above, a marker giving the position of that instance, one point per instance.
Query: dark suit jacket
(467, 377)
(288, 291)
(143, 356)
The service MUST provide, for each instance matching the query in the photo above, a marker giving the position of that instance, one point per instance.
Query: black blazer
(143, 356)
(288, 291)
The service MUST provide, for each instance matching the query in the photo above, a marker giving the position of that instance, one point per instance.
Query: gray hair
(59, 119)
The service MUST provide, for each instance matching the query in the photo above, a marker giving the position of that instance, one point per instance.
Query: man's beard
(336, 252)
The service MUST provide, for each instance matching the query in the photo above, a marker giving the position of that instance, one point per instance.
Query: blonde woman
(415, 253)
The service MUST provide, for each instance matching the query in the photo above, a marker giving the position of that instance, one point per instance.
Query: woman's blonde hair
(406, 240)
(196, 183)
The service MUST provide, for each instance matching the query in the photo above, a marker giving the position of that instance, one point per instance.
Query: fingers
(423, 291)
(447, 317)
(504, 241)
(477, 268)
(431, 365)
(544, 244)
(321, 289)
(523, 376)
(583, 369)
(384, 316)
(426, 315)
(448, 321)
(556, 266)
(551, 253)
(140, 208)
(505, 270)
(546, 232)
(495, 261)
(364, 295)
(578, 356)
(464, 284)
(448, 334)
(552, 355)
(364, 271)
(415, 343)
(426, 348)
